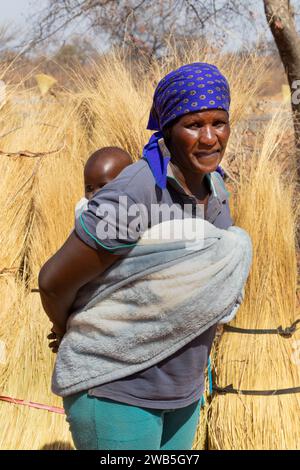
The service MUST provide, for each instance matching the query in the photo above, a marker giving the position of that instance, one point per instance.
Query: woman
(156, 408)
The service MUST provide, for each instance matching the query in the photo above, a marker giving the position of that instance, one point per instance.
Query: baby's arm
(79, 208)
(72, 266)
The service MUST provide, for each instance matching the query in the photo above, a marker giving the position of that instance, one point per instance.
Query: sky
(18, 12)
(15, 11)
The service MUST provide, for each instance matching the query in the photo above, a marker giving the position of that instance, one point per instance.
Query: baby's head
(102, 167)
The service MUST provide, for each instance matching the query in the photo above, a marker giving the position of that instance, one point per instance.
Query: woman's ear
(167, 136)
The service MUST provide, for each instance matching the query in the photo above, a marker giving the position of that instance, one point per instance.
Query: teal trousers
(104, 424)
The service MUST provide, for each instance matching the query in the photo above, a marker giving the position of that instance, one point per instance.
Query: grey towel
(150, 304)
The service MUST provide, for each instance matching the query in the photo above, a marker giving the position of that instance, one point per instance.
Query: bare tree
(7, 35)
(77, 51)
(280, 16)
(143, 24)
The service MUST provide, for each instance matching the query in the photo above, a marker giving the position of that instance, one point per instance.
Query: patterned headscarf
(192, 87)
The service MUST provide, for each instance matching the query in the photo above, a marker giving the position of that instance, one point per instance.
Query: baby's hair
(108, 152)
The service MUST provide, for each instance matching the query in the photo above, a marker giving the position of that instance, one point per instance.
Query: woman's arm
(72, 266)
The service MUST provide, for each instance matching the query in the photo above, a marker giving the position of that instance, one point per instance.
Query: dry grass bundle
(201, 436)
(26, 376)
(34, 193)
(113, 111)
(263, 206)
(39, 192)
(57, 187)
(38, 196)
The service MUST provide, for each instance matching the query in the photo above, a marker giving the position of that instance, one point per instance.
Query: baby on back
(102, 166)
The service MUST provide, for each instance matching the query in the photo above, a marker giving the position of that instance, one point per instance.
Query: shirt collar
(171, 176)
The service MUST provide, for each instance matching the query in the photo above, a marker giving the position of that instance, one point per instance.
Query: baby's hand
(56, 337)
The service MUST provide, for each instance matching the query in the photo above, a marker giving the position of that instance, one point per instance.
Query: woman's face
(197, 141)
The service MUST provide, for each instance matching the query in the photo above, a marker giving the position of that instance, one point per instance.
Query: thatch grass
(26, 374)
(38, 195)
(264, 207)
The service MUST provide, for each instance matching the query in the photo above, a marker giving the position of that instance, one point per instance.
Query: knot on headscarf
(193, 87)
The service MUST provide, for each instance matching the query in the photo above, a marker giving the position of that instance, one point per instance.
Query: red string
(31, 404)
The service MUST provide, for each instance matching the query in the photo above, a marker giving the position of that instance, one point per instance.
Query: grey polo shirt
(178, 380)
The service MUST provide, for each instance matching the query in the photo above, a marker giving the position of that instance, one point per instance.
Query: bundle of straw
(264, 207)
(39, 193)
(25, 375)
(36, 193)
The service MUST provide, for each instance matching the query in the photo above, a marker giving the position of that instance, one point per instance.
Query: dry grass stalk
(25, 374)
(263, 206)
(39, 211)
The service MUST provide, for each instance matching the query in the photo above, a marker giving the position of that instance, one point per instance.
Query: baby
(101, 168)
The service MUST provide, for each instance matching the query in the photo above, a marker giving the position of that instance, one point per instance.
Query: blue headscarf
(192, 87)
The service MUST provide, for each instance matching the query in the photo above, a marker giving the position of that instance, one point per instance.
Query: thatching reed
(264, 207)
(38, 194)
(201, 436)
(26, 375)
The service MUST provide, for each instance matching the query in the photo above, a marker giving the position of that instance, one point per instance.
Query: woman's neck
(192, 183)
